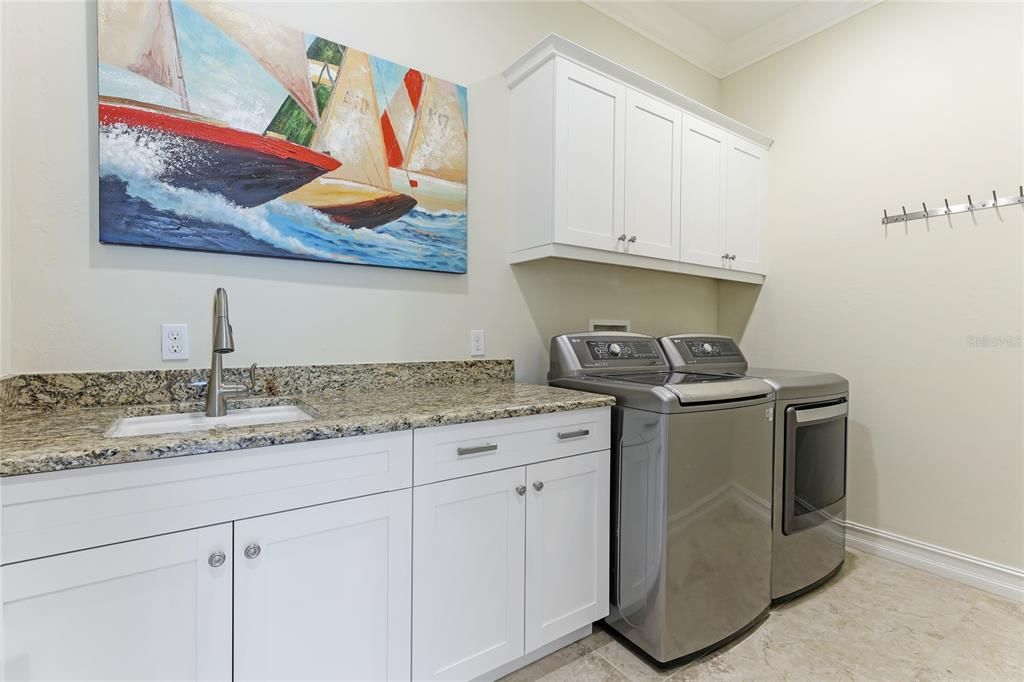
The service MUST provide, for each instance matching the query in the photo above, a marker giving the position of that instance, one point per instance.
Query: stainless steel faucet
(217, 392)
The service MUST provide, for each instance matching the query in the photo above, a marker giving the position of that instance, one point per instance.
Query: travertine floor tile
(876, 620)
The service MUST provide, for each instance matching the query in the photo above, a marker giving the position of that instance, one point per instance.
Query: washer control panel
(576, 354)
(624, 349)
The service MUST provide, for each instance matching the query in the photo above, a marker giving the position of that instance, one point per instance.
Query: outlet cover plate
(476, 342)
(174, 341)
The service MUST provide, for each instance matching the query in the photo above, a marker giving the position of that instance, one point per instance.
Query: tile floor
(876, 620)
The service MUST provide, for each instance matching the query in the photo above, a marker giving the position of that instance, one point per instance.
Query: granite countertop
(75, 438)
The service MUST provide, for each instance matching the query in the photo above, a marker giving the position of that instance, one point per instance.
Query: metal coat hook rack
(970, 206)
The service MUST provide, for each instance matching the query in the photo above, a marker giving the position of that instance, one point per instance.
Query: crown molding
(657, 22)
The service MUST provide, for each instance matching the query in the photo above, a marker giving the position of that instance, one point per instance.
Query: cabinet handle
(217, 559)
(632, 240)
(622, 237)
(252, 551)
(477, 449)
(538, 485)
(565, 435)
(521, 489)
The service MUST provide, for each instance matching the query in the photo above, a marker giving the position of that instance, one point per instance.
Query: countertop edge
(243, 438)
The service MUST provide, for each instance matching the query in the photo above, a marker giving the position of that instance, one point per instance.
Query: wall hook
(904, 213)
(925, 208)
(885, 216)
(947, 206)
(970, 203)
(995, 199)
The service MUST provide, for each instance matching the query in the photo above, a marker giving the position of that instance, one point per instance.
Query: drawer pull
(566, 435)
(477, 449)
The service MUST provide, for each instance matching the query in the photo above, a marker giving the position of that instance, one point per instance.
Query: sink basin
(197, 421)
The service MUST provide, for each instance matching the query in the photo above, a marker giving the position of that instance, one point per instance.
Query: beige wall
(78, 305)
(901, 104)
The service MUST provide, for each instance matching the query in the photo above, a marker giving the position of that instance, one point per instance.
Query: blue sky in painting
(224, 81)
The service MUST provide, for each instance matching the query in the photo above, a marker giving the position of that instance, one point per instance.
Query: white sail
(140, 37)
(350, 129)
(438, 148)
(279, 49)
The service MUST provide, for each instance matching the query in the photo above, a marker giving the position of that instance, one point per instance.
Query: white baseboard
(985, 575)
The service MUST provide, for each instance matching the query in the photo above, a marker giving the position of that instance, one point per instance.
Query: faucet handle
(251, 385)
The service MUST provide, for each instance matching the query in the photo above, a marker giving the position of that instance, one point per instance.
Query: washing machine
(691, 533)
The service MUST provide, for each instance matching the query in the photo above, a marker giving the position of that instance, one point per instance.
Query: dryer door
(815, 465)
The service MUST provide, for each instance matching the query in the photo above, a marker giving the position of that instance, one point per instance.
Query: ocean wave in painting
(139, 209)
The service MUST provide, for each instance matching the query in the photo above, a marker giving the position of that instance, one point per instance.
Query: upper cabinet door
(566, 546)
(652, 185)
(468, 579)
(326, 596)
(745, 207)
(705, 156)
(152, 609)
(590, 132)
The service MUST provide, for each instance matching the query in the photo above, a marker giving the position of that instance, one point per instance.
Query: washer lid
(692, 388)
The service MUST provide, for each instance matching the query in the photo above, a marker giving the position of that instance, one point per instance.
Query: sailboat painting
(223, 131)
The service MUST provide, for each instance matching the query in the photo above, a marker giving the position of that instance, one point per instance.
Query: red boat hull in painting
(246, 168)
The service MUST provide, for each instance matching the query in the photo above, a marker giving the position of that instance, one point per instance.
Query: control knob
(614, 350)
(707, 348)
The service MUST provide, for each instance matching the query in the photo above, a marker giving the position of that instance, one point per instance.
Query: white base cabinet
(506, 562)
(152, 609)
(323, 593)
(502, 550)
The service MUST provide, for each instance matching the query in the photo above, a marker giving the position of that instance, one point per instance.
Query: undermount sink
(198, 421)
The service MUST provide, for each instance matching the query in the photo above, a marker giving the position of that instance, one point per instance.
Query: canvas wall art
(223, 131)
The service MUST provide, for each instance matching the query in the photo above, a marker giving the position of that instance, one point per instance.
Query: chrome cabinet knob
(252, 551)
(632, 240)
(622, 237)
(521, 489)
(732, 257)
(217, 559)
(725, 256)
(538, 485)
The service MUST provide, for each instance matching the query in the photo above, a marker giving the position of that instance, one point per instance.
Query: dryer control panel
(703, 350)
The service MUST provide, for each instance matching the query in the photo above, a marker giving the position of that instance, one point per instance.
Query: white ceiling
(725, 36)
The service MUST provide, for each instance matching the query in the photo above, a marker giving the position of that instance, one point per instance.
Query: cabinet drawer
(62, 511)
(445, 452)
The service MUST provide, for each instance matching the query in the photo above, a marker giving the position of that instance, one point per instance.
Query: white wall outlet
(476, 342)
(174, 341)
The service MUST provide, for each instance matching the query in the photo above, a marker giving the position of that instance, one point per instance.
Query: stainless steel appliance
(809, 493)
(691, 493)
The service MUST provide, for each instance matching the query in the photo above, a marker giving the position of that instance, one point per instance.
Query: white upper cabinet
(612, 167)
(705, 156)
(652, 176)
(152, 609)
(590, 120)
(744, 205)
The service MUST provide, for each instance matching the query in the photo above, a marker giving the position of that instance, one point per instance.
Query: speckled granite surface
(74, 438)
(44, 392)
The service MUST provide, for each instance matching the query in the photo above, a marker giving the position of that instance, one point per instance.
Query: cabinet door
(567, 528)
(327, 597)
(468, 575)
(652, 182)
(152, 609)
(705, 155)
(590, 125)
(745, 193)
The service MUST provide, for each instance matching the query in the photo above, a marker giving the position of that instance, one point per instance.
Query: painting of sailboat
(223, 131)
